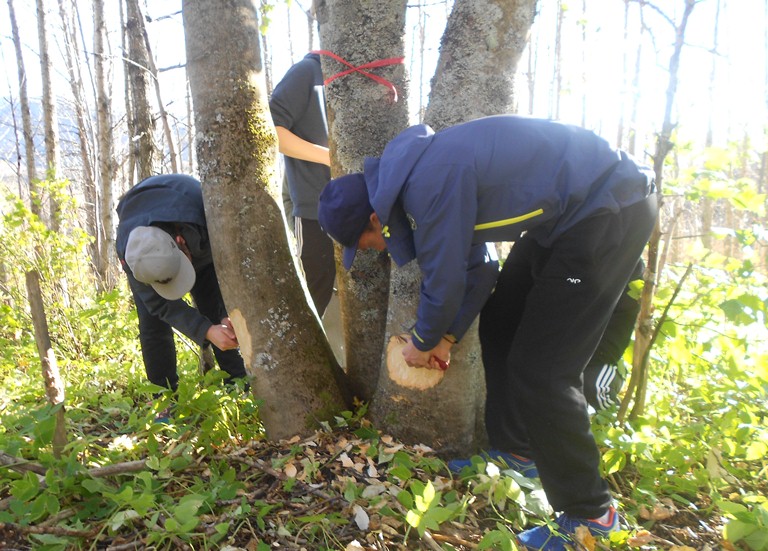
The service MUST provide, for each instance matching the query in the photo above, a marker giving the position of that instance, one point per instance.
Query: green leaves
(746, 525)
(425, 511)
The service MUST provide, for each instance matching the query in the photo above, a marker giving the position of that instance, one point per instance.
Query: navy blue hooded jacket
(442, 195)
(168, 199)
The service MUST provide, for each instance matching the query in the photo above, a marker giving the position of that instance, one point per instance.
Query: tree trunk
(143, 141)
(479, 53)
(72, 59)
(106, 238)
(50, 119)
(558, 74)
(363, 117)
(643, 335)
(480, 49)
(163, 114)
(26, 118)
(285, 351)
(54, 387)
(130, 173)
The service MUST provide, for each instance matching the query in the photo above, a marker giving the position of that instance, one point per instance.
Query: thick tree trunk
(291, 364)
(480, 49)
(363, 116)
(143, 140)
(479, 53)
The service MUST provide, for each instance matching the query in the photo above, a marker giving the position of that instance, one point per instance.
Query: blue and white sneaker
(547, 538)
(524, 466)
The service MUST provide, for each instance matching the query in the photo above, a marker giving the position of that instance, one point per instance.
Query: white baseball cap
(155, 259)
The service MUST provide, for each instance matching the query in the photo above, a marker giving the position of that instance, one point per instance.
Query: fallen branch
(51, 530)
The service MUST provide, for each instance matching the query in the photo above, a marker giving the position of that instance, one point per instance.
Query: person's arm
(444, 211)
(482, 273)
(293, 146)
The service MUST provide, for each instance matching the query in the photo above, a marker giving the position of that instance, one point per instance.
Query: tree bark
(363, 117)
(72, 58)
(285, 351)
(144, 149)
(50, 119)
(479, 53)
(26, 118)
(106, 237)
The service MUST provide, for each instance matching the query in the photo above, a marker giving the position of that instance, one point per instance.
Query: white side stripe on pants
(603, 385)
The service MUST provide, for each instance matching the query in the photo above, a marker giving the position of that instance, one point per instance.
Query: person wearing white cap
(163, 247)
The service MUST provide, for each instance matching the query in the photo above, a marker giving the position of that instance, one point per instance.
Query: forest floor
(302, 495)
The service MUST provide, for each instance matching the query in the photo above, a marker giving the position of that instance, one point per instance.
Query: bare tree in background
(144, 149)
(557, 76)
(707, 204)
(54, 386)
(73, 62)
(26, 118)
(106, 238)
(152, 67)
(50, 118)
(646, 329)
(292, 366)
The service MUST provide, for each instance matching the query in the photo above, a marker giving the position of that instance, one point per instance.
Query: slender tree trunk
(26, 118)
(106, 238)
(163, 113)
(190, 132)
(632, 138)
(142, 139)
(558, 76)
(54, 387)
(72, 52)
(624, 78)
(130, 122)
(292, 366)
(363, 117)
(50, 118)
(584, 65)
(644, 332)
(707, 205)
(531, 75)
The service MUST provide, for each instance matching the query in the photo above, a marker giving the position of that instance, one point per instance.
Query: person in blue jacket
(580, 213)
(162, 244)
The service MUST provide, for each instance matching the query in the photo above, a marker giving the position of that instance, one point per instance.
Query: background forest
(98, 97)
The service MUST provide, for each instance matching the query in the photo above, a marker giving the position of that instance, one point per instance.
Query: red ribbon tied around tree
(362, 70)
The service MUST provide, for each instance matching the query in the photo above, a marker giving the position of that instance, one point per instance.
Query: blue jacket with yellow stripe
(442, 196)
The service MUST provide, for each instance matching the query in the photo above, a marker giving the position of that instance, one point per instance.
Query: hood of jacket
(385, 178)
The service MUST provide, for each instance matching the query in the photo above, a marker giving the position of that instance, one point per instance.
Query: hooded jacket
(166, 200)
(441, 195)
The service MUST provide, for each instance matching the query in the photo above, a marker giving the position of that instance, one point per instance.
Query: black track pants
(538, 331)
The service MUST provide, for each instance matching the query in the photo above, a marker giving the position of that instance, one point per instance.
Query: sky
(738, 107)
